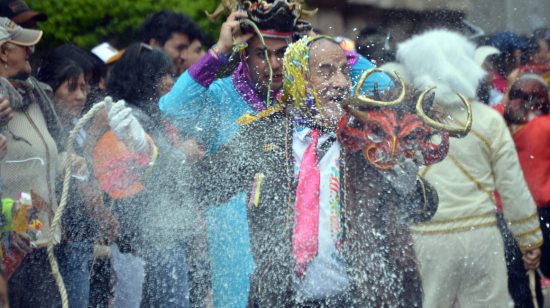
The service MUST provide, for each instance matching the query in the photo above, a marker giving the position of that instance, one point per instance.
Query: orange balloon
(109, 148)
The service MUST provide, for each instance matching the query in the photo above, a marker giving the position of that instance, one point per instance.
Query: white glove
(122, 122)
(404, 179)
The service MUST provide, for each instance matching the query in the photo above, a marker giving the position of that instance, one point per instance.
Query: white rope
(59, 212)
(532, 286)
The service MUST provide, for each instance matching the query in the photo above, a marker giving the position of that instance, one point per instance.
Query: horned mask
(389, 132)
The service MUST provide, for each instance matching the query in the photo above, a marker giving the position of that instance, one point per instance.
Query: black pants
(99, 283)
(544, 216)
(32, 284)
(518, 281)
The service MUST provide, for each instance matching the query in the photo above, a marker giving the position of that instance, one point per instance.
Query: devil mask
(387, 133)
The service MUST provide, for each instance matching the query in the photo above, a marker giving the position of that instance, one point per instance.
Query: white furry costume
(460, 249)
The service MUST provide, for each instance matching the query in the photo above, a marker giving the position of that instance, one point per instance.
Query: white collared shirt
(325, 274)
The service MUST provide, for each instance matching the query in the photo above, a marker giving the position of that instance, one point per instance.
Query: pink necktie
(306, 214)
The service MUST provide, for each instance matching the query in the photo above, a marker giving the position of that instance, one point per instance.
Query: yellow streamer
(248, 118)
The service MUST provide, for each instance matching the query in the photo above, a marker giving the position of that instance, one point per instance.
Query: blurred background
(87, 23)
(407, 17)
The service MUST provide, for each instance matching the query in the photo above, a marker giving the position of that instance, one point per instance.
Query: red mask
(385, 140)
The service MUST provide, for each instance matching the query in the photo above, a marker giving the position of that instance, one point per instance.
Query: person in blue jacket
(208, 109)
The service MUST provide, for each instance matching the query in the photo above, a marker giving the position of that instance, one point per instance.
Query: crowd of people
(316, 174)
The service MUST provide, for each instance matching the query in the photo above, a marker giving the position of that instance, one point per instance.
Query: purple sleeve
(205, 70)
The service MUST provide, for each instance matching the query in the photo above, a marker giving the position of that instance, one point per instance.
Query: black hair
(502, 62)
(160, 26)
(318, 31)
(103, 68)
(371, 44)
(135, 76)
(483, 92)
(88, 63)
(534, 44)
(55, 71)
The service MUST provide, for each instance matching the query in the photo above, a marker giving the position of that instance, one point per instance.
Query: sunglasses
(516, 93)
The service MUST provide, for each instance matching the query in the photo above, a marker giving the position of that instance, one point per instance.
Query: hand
(21, 243)
(79, 166)
(3, 147)
(122, 122)
(230, 28)
(531, 259)
(5, 111)
(403, 179)
(192, 151)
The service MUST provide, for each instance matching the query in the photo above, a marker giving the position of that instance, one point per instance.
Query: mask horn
(361, 100)
(453, 131)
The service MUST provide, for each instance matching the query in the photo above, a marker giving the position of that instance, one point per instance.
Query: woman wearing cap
(35, 140)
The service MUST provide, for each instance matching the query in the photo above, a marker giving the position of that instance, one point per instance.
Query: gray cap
(19, 35)
(4, 36)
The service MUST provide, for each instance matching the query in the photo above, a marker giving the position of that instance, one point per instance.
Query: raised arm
(193, 104)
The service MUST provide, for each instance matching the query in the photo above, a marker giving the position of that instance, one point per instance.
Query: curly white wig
(444, 59)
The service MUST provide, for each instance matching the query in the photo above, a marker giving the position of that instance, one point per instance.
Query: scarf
(23, 92)
(24, 87)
